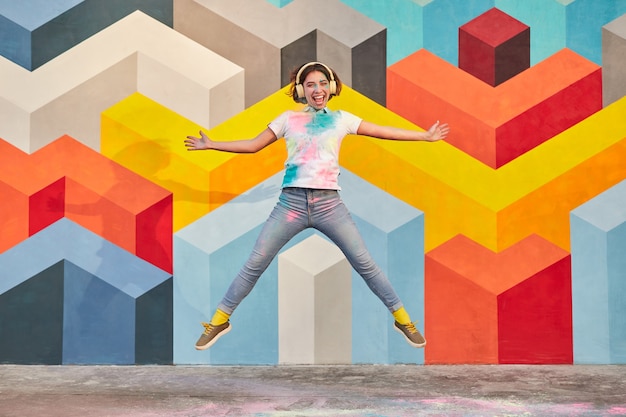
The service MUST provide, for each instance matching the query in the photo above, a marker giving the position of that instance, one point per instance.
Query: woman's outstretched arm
(203, 142)
(436, 132)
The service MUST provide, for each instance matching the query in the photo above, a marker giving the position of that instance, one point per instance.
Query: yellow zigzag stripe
(496, 208)
(459, 195)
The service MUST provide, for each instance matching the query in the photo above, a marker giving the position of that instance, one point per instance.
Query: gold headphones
(332, 84)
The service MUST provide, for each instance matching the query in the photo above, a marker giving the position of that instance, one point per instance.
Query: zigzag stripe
(92, 301)
(68, 179)
(496, 124)
(35, 33)
(137, 53)
(269, 42)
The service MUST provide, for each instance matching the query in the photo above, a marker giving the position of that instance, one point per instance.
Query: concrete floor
(288, 391)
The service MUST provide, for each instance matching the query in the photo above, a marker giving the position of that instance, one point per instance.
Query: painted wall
(506, 241)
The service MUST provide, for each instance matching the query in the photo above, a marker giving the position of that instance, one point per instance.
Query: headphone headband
(298, 84)
(310, 64)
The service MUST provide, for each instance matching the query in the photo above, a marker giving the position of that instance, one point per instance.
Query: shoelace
(411, 328)
(208, 327)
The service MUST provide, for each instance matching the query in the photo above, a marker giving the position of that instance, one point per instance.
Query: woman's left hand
(438, 132)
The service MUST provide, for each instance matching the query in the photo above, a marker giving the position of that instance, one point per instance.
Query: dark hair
(306, 69)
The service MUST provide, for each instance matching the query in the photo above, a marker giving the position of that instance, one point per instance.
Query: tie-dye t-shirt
(313, 140)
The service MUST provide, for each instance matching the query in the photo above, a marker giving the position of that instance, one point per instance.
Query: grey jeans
(298, 209)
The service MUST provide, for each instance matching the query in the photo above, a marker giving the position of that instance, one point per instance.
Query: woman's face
(316, 89)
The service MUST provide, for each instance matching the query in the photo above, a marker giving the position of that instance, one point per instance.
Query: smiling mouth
(318, 99)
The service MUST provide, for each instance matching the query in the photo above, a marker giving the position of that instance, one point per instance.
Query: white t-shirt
(313, 140)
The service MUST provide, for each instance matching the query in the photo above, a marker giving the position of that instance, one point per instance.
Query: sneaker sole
(416, 345)
(215, 339)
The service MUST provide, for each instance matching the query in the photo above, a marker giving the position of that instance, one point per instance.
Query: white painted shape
(314, 304)
(179, 73)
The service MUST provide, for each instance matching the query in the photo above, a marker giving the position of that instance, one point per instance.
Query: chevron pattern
(506, 242)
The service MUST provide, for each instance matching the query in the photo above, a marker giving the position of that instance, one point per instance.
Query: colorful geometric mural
(506, 241)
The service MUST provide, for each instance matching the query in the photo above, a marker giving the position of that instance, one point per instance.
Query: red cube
(494, 47)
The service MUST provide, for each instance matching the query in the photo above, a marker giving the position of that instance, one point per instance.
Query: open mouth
(318, 99)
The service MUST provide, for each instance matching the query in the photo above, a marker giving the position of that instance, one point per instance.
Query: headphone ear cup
(299, 91)
(332, 87)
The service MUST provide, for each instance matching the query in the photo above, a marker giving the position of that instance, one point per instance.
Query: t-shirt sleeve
(279, 125)
(351, 122)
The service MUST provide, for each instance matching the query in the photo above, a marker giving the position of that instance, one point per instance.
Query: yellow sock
(401, 316)
(219, 317)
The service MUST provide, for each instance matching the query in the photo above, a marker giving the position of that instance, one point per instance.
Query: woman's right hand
(198, 143)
